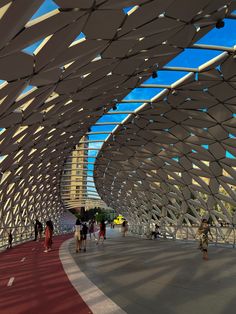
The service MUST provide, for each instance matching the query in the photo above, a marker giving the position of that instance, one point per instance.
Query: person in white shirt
(78, 228)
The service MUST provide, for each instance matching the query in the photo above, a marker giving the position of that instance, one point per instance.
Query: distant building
(74, 177)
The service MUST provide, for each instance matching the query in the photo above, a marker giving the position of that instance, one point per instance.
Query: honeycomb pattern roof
(63, 70)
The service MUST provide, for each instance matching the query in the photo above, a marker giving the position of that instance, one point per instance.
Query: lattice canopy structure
(61, 71)
(176, 157)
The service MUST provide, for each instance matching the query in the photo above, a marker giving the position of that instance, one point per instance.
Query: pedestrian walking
(124, 228)
(48, 237)
(40, 230)
(102, 232)
(84, 232)
(10, 239)
(51, 224)
(78, 230)
(204, 231)
(36, 230)
(91, 229)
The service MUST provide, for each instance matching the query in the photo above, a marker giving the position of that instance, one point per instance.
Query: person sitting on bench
(156, 232)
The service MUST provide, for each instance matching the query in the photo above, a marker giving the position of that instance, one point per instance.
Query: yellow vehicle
(118, 220)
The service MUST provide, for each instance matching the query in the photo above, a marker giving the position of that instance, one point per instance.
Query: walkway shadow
(166, 277)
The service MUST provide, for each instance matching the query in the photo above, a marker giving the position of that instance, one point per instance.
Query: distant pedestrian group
(81, 231)
(38, 233)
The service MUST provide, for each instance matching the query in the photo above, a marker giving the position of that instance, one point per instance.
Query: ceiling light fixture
(220, 24)
(154, 74)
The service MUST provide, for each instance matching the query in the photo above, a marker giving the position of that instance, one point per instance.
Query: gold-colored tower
(74, 177)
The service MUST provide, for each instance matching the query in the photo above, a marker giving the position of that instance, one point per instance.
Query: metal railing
(66, 228)
(21, 235)
(224, 236)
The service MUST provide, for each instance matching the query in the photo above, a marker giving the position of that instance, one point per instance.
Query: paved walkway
(127, 275)
(34, 282)
(164, 277)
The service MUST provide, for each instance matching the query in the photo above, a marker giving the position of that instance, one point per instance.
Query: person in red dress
(48, 237)
(102, 232)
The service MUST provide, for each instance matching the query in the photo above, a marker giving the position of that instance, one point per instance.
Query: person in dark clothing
(40, 230)
(10, 239)
(102, 232)
(155, 233)
(124, 228)
(36, 230)
(92, 229)
(84, 232)
(51, 224)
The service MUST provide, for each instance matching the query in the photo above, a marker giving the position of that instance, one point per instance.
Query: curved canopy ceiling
(62, 70)
(176, 156)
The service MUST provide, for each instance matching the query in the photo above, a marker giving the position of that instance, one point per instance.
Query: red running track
(40, 285)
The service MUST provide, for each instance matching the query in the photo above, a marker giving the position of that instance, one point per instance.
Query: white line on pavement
(10, 282)
(96, 300)
(23, 259)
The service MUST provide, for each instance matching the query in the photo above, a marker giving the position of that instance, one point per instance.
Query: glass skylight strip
(220, 37)
(193, 58)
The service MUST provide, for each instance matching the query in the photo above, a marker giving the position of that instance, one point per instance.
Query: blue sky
(47, 6)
